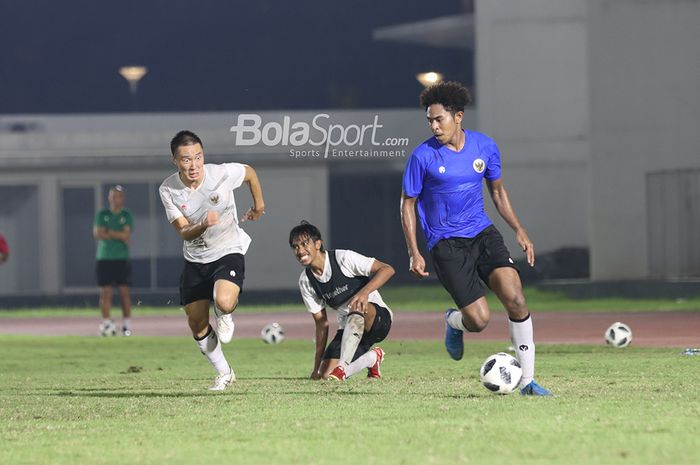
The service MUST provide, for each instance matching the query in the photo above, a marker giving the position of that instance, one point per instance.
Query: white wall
(645, 114)
(532, 98)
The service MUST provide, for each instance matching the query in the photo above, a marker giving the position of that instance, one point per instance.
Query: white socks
(524, 345)
(365, 361)
(352, 334)
(455, 321)
(210, 347)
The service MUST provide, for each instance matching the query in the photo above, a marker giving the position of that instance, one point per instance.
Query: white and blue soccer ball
(618, 335)
(272, 333)
(501, 373)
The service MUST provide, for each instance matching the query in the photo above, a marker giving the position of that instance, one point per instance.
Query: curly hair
(183, 138)
(451, 95)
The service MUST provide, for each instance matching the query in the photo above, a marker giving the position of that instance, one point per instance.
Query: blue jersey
(448, 185)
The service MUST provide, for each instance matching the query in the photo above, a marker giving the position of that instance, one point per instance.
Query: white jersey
(214, 194)
(351, 264)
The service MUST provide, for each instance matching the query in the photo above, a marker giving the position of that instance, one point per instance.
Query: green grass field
(421, 297)
(73, 400)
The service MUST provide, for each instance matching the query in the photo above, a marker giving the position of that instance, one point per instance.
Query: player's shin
(521, 335)
(365, 361)
(210, 347)
(352, 334)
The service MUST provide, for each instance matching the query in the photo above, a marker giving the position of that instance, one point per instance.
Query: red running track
(660, 329)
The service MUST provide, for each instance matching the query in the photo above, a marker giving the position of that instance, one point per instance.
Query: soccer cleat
(223, 381)
(107, 328)
(338, 373)
(453, 338)
(224, 326)
(534, 389)
(374, 372)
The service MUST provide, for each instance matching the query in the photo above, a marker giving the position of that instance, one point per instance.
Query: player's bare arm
(381, 273)
(258, 208)
(124, 235)
(416, 261)
(321, 321)
(189, 231)
(501, 200)
(100, 233)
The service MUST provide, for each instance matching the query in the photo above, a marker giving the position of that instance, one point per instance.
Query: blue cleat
(534, 389)
(453, 338)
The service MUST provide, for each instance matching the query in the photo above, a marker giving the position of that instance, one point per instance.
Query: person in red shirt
(4, 250)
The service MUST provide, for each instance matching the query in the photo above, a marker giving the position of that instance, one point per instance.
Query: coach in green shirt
(112, 230)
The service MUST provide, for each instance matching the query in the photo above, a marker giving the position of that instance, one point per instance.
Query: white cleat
(223, 381)
(224, 326)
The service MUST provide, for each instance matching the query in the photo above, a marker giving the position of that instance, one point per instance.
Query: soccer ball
(107, 328)
(501, 373)
(618, 335)
(272, 333)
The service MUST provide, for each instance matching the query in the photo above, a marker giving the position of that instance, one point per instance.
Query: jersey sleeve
(413, 175)
(99, 220)
(236, 173)
(313, 302)
(353, 263)
(171, 211)
(493, 167)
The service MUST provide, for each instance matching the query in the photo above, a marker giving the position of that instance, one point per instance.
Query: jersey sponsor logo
(336, 292)
(479, 165)
(441, 170)
(214, 199)
(198, 242)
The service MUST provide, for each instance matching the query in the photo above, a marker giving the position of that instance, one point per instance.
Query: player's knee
(516, 304)
(475, 325)
(226, 304)
(355, 322)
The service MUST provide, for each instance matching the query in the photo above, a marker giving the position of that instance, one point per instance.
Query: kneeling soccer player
(347, 282)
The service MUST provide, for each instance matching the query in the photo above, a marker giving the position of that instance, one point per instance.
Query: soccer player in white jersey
(200, 205)
(347, 282)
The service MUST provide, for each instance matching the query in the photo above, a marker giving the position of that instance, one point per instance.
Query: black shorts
(380, 330)
(197, 280)
(463, 265)
(113, 273)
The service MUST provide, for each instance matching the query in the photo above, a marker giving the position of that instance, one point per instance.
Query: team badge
(479, 165)
(214, 199)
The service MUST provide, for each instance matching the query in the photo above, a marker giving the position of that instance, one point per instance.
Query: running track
(659, 329)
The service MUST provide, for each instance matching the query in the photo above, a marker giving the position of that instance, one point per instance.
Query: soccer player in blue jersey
(443, 180)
